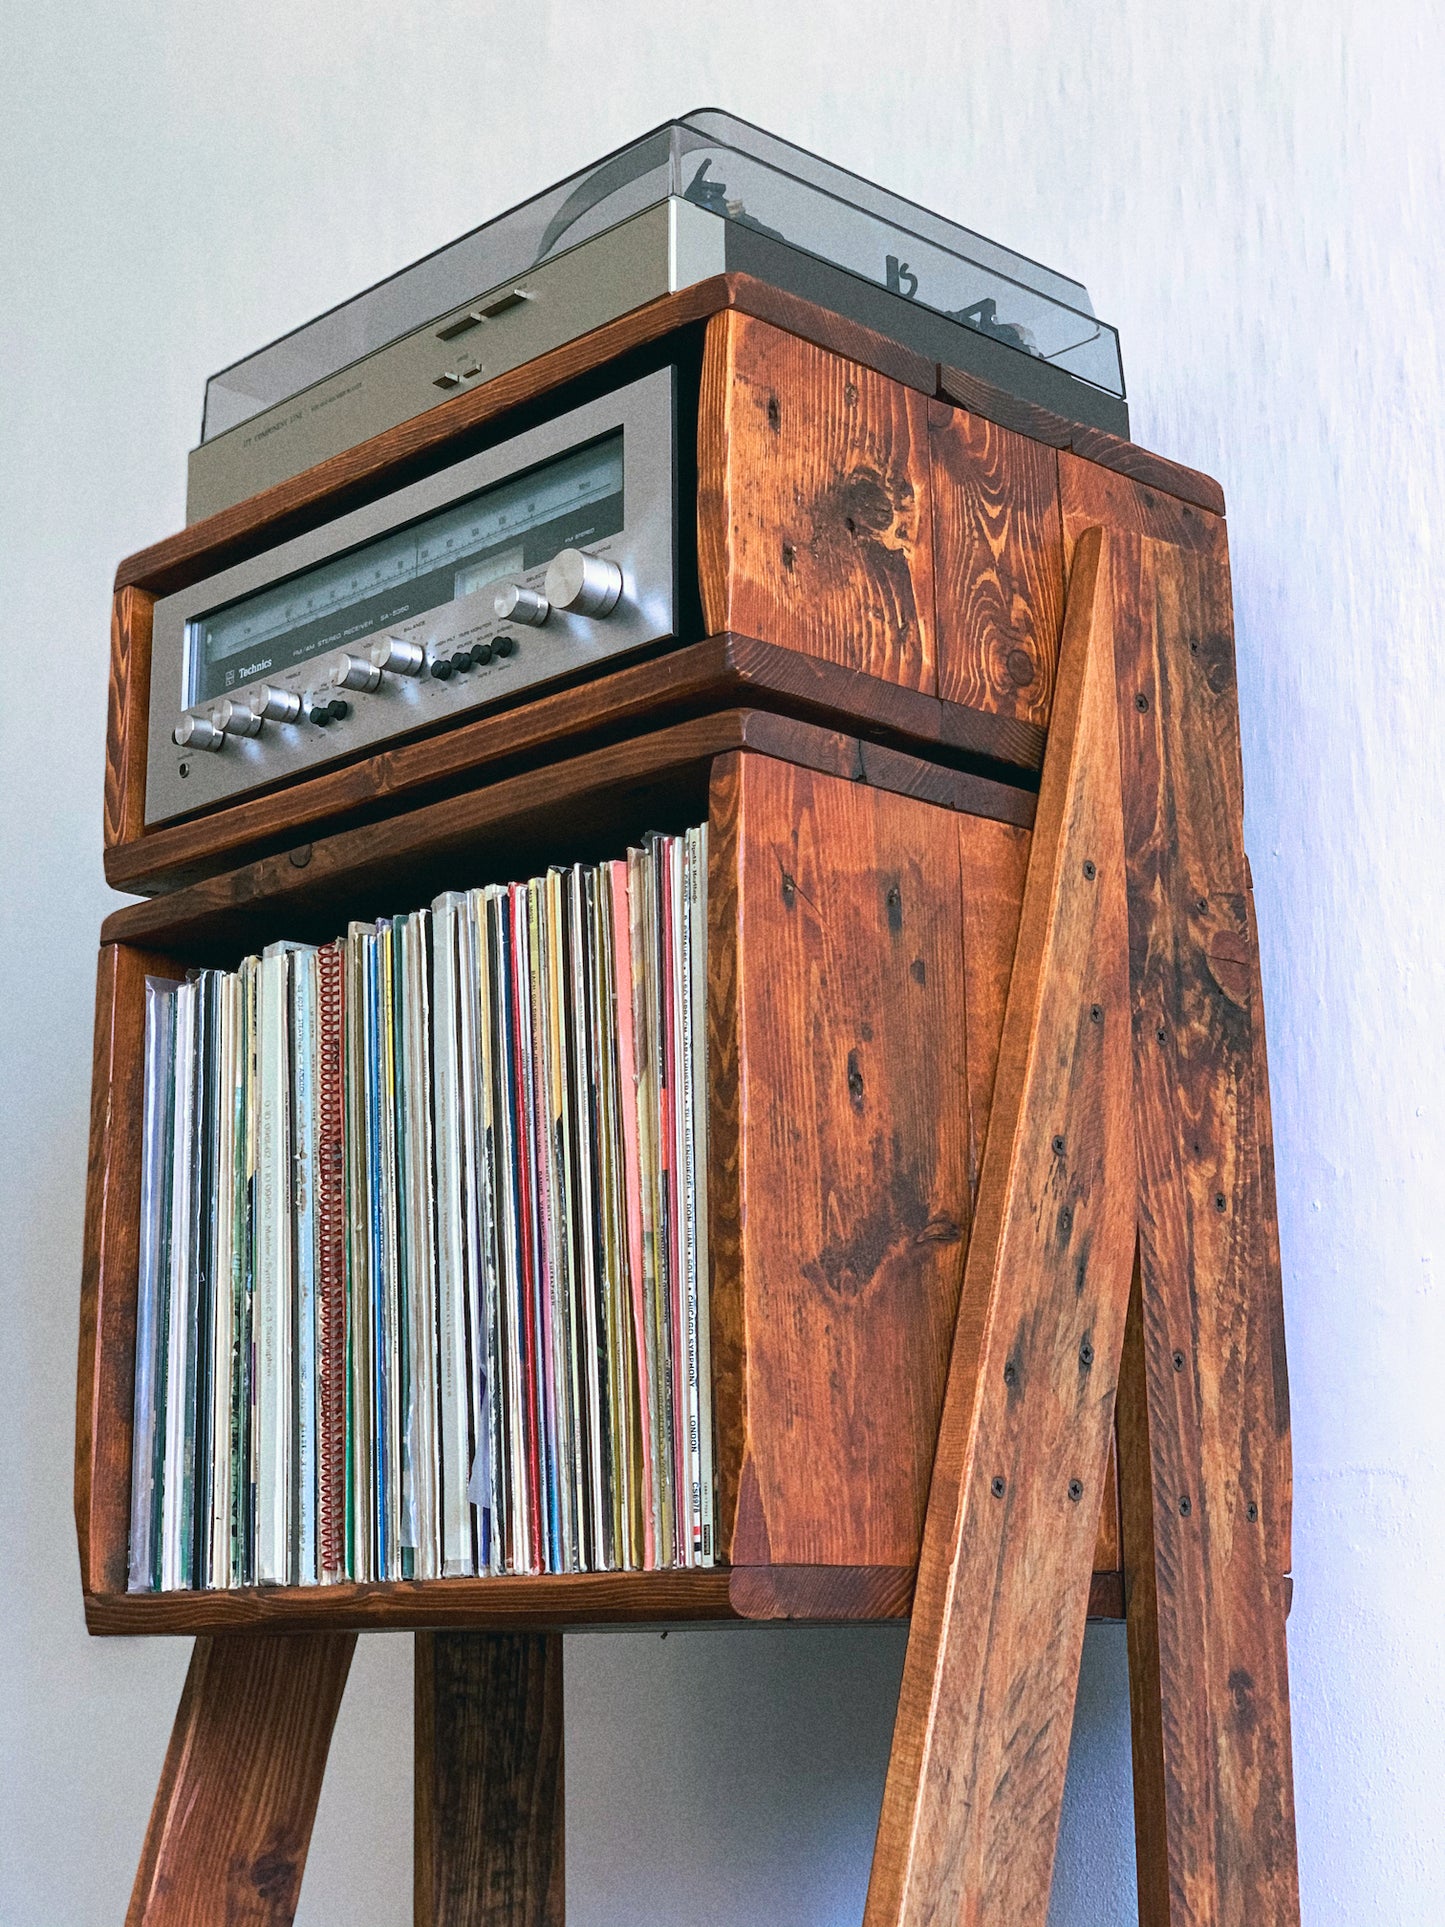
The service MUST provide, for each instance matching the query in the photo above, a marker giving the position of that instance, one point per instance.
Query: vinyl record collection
(423, 1264)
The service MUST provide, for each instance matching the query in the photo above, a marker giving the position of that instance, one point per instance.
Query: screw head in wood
(1056, 1145)
(1076, 1490)
(1161, 1033)
(1179, 1361)
(1251, 1512)
(1184, 1507)
(1086, 1353)
(1010, 1373)
(1091, 869)
(997, 1486)
(1220, 1201)
(1096, 1013)
(1141, 702)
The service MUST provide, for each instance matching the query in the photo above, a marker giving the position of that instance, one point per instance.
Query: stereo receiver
(516, 567)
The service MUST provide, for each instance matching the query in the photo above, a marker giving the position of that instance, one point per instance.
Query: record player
(703, 195)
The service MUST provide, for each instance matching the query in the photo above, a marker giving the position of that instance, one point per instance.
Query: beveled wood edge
(1041, 424)
(450, 823)
(719, 1596)
(324, 490)
(715, 672)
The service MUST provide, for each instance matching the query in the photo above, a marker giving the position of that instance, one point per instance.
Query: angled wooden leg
(1204, 1430)
(976, 1776)
(489, 1783)
(227, 1841)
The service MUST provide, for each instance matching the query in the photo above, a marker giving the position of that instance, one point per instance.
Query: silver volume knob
(399, 657)
(235, 719)
(582, 584)
(197, 732)
(355, 672)
(516, 604)
(278, 705)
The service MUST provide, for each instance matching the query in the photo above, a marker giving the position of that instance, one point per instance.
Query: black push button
(441, 668)
(462, 661)
(506, 645)
(340, 709)
(481, 652)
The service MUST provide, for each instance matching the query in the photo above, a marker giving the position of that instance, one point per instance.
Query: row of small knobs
(577, 583)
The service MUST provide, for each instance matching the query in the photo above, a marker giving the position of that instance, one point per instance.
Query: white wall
(1255, 196)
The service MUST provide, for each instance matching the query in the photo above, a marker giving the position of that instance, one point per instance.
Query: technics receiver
(530, 562)
(702, 196)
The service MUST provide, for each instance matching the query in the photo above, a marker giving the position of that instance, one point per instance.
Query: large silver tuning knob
(235, 719)
(197, 732)
(582, 584)
(355, 672)
(513, 603)
(398, 657)
(277, 705)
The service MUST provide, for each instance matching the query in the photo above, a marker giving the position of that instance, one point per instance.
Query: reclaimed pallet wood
(1205, 1428)
(488, 1790)
(976, 1774)
(231, 1823)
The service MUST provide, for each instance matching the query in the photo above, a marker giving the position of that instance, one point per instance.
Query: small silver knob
(582, 584)
(400, 657)
(516, 604)
(197, 732)
(235, 719)
(355, 672)
(277, 705)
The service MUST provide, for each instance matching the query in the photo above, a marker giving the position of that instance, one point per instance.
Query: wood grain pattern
(1094, 497)
(1205, 1458)
(813, 503)
(976, 1775)
(834, 1295)
(232, 1818)
(529, 817)
(105, 1365)
(998, 565)
(1092, 444)
(489, 1782)
(126, 715)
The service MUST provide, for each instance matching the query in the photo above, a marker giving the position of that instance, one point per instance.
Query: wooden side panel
(232, 1819)
(125, 723)
(489, 1780)
(1095, 497)
(840, 1187)
(1206, 1437)
(998, 565)
(813, 503)
(105, 1368)
(976, 1776)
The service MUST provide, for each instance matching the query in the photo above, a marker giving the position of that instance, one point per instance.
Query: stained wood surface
(105, 1366)
(840, 1181)
(1206, 1429)
(529, 817)
(813, 503)
(712, 675)
(1092, 444)
(489, 1780)
(126, 715)
(976, 1775)
(998, 565)
(1091, 496)
(232, 1819)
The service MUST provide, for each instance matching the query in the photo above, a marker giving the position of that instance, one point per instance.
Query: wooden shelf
(862, 905)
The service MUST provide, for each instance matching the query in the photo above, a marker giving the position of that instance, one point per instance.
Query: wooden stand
(1091, 1130)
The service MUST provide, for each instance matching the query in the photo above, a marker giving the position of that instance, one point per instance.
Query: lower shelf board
(721, 1595)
